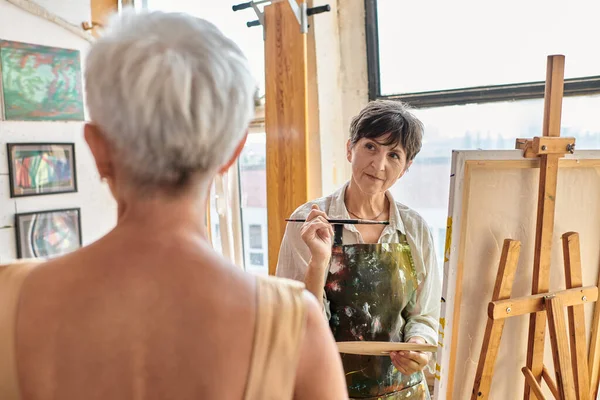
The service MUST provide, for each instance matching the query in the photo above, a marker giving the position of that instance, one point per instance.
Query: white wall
(342, 83)
(72, 11)
(98, 209)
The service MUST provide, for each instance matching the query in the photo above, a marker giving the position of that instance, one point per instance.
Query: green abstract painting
(40, 83)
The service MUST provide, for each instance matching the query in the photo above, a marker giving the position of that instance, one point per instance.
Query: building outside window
(255, 237)
(253, 190)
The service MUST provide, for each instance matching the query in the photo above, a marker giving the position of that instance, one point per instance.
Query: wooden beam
(572, 257)
(102, 9)
(286, 121)
(552, 145)
(553, 95)
(532, 304)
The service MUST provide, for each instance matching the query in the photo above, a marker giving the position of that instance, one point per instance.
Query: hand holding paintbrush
(317, 233)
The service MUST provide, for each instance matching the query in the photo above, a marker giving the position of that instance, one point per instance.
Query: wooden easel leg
(560, 348)
(493, 329)
(594, 357)
(577, 331)
(541, 264)
(532, 383)
(550, 383)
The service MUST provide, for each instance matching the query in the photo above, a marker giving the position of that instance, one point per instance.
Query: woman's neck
(161, 215)
(364, 205)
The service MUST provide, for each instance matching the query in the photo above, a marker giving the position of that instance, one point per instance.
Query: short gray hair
(389, 117)
(172, 94)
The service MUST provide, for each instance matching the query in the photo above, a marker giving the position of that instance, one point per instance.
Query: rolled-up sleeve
(293, 255)
(293, 259)
(423, 311)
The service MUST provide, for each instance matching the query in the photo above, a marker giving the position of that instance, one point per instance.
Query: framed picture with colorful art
(48, 234)
(40, 83)
(41, 168)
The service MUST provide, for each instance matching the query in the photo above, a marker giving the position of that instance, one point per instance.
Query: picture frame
(40, 83)
(48, 233)
(37, 169)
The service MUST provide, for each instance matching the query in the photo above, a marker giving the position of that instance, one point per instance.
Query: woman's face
(376, 167)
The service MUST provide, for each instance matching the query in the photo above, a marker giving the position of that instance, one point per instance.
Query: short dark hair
(388, 117)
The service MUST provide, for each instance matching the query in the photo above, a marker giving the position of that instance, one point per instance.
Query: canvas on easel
(493, 196)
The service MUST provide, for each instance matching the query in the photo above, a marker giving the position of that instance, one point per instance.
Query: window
(478, 82)
(255, 236)
(438, 45)
(253, 191)
(257, 259)
(425, 187)
(232, 24)
(214, 222)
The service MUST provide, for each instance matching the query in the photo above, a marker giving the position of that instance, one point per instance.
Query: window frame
(580, 86)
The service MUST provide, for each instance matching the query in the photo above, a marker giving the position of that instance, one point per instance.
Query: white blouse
(422, 315)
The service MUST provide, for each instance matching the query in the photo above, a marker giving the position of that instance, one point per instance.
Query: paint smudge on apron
(368, 286)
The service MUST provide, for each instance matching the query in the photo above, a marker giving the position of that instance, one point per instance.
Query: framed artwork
(40, 83)
(41, 168)
(48, 234)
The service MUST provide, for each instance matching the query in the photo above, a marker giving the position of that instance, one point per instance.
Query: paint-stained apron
(366, 285)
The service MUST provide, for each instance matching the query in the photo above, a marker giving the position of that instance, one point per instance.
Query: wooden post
(553, 95)
(100, 10)
(286, 110)
(572, 257)
(494, 327)
(545, 215)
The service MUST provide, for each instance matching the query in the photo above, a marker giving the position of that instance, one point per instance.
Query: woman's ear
(100, 149)
(236, 154)
(405, 170)
(349, 150)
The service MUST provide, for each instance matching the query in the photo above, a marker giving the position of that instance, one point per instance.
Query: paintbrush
(346, 221)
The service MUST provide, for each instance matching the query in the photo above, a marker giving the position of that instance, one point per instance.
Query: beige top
(281, 316)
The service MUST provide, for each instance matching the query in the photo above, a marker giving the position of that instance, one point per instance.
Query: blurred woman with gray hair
(150, 311)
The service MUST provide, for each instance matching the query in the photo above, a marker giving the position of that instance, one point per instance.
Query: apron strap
(338, 234)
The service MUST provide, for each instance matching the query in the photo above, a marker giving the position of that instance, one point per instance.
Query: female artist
(382, 283)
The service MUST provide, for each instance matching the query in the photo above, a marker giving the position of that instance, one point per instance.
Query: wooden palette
(382, 348)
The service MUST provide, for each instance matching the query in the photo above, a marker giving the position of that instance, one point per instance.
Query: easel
(571, 369)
